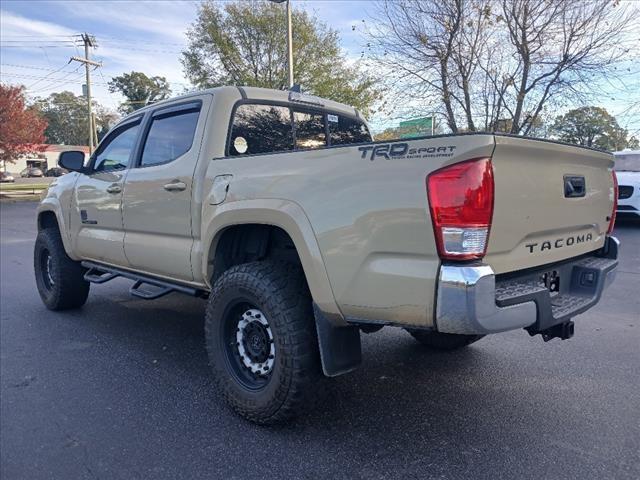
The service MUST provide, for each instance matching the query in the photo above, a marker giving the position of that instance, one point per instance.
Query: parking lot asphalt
(121, 390)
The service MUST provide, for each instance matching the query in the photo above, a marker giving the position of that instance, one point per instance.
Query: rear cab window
(310, 131)
(262, 128)
(344, 130)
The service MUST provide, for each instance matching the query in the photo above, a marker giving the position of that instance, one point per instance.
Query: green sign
(416, 127)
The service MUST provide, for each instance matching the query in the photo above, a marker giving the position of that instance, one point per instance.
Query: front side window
(344, 130)
(170, 136)
(115, 151)
(261, 129)
(310, 132)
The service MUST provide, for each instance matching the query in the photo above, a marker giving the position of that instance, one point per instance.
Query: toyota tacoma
(301, 232)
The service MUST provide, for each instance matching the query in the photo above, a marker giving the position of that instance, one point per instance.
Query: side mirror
(72, 160)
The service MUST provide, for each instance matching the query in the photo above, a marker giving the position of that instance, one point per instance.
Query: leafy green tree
(67, 121)
(139, 90)
(592, 127)
(244, 43)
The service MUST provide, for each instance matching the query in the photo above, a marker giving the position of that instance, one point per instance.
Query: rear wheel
(262, 342)
(443, 341)
(59, 279)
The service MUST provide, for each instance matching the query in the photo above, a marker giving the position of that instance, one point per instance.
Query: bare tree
(496, 64)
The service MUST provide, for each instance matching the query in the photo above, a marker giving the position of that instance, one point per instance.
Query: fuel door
(219, 189)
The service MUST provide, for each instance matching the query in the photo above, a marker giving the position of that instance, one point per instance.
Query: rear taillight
(461, 204)
(612, 222)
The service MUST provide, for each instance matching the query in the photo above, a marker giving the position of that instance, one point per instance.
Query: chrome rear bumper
(471, 300)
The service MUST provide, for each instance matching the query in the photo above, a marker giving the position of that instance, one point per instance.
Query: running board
(97, 273)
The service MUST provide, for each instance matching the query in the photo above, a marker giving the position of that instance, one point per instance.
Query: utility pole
(289, 44)
(289, 40)
(89, 41)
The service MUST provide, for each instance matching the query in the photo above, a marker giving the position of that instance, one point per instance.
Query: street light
(289, 40)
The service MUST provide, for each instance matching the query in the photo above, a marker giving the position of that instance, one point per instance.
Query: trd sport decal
(390, 151)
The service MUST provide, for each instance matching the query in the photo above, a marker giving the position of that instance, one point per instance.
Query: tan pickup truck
(302, 232)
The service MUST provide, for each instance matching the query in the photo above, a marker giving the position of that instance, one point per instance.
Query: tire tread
(71, 289)
(284, 287)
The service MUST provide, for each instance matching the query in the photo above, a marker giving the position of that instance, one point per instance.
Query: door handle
(115, 188)
(175, 186)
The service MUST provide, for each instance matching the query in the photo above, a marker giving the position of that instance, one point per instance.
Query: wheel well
(249, 243)
(47, 220)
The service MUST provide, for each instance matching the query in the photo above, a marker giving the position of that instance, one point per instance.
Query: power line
(148, 42)
(75, 81)
(29, 76)
(149, 50)
(55, 71)
(113, 99)
(37, 77)
(58, 82)
(36, 41)
(29, 67)
(62, 81)
(24, 47)
(39, 36)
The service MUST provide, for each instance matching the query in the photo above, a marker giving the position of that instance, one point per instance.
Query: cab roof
(263, 94)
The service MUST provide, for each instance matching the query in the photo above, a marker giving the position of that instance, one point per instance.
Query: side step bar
(97, 273)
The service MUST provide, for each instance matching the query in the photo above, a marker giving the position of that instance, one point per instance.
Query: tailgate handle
(574, 186)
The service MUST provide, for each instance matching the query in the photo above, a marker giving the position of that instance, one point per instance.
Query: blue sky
(148, 36)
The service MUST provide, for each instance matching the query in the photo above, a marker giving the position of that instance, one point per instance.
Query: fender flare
(338, 341)
(51, 204)
(288, 216)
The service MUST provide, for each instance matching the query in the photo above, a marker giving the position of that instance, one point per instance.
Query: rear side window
(310, 131)
(170, 136)
(261, 129)
(345, 130)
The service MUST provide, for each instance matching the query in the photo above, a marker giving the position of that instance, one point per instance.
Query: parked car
(31, 172)
(6, 177)
(301, 232)
(628, 172)
(55, 172)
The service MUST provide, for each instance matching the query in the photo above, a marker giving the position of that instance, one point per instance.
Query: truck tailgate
(536, 220)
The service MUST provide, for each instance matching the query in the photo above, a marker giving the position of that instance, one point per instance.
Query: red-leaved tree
(21, 128)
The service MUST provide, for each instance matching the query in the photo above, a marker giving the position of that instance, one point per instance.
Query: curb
(19, 199)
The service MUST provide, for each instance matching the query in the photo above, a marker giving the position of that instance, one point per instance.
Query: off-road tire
(280, 291)
(60, 281)
(443, 341)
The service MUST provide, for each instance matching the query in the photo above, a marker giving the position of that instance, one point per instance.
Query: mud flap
(340, 350)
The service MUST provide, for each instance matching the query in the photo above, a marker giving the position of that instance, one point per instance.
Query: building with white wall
(46, 159)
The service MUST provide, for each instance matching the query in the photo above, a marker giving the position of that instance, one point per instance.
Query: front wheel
(261, 340)
(443, 341)
(59, 279)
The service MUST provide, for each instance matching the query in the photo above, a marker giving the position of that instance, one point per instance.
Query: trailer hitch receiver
(563, 331)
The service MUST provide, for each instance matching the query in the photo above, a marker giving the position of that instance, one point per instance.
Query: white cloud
(12, 25)
(168, 20)
(133, 50)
